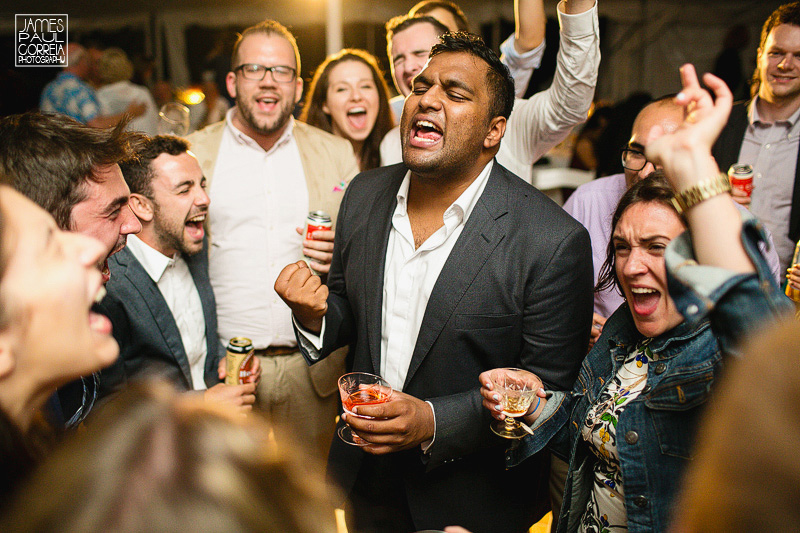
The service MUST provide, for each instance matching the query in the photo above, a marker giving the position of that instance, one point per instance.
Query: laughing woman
(628, 425)
(48, 334)
(349, 98)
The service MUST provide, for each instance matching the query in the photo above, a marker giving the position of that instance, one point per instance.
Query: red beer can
(741, 177)
(315, 221)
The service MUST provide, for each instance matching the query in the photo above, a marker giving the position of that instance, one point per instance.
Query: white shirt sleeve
(522, 65)
(425, 446)
(391, 148)
(312, 343)
(546, 118)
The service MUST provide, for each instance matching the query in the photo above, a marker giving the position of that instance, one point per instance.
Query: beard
(171, 235)
(267, 126)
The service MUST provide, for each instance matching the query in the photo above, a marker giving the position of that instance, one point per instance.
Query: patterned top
(606, 510)
(69, 95)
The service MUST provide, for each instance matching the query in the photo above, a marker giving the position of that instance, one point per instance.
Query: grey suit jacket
(516, 291)
(145, 329)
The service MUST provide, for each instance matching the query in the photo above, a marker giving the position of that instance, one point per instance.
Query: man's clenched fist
(304, 293)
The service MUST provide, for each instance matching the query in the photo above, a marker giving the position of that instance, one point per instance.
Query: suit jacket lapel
(162, 316)
(475, 245)
(378, 227)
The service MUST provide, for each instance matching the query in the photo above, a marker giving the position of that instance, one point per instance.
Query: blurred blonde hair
(746, 474)
(114, 66)
(156, 460)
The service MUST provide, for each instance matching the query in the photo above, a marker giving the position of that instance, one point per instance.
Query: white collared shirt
(771, 147)
(258, 199)
(410, 275)
(174, 280)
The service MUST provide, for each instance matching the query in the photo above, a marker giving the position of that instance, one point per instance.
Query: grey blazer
(145, 329)
(516, 291)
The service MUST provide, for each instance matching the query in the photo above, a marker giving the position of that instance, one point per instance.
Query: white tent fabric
(645, 41)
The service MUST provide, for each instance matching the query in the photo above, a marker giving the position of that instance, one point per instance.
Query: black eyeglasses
(256, 72)
(633, 159)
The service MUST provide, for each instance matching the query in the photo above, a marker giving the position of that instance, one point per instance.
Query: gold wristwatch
(699, 192)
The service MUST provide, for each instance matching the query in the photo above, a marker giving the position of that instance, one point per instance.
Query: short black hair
(49, 157)
(501, 84)
(138, 173)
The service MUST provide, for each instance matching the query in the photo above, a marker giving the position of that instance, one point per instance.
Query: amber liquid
(517, 405)
(364, 397)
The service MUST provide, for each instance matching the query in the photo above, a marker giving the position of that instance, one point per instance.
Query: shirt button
(766, 146)
(640, 502)
(646, 389)
(661, 368)
(692, 309)
(631, 437)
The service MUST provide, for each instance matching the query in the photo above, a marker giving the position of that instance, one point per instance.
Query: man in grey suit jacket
(444, 267)
(160, 301)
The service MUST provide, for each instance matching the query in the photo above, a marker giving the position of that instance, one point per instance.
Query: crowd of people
(639, 313)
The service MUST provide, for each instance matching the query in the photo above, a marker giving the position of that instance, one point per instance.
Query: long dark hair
(653, 188)
(370, 156)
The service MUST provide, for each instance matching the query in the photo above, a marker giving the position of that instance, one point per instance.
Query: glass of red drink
(360, 388)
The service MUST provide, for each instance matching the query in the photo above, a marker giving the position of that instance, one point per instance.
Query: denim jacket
(656, 429)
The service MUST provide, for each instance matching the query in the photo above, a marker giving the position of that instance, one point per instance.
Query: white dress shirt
(258, 199)
(176, 284)
(410, 275)
(521, 65)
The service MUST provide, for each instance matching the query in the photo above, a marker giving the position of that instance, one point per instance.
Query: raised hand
(304, 293)
(685, 153)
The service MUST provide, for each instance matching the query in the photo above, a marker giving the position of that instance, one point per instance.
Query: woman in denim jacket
(628, 424)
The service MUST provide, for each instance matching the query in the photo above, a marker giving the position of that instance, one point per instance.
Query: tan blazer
(328, 163)
(327, 160)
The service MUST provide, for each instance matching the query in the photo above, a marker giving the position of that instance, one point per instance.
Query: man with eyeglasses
(765, 131)
(593, 204)
(265, 172)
